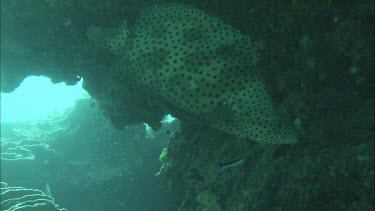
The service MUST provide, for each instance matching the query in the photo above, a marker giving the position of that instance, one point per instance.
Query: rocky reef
(300, 176)
(308, 64)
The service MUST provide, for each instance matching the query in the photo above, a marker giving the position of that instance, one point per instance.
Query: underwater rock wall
(301, 176)
(47, 37)
(317, 60)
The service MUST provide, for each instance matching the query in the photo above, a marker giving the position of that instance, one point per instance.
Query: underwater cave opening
(38, 98)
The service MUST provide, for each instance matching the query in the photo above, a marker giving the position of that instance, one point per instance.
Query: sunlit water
(37, 98)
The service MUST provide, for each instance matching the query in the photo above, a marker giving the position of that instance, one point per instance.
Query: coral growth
(23, 199)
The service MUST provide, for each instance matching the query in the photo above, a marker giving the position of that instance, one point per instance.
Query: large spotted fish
(194, 66)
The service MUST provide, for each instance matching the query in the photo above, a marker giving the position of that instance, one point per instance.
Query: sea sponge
(163, 155)
(198, 69)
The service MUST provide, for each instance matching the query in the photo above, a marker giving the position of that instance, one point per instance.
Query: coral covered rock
(197, 68)
(209, 201)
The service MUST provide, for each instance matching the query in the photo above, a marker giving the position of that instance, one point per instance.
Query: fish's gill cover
(197, 66)
(113, 39)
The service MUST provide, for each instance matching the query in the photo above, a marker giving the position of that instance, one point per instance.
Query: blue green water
(273, 104)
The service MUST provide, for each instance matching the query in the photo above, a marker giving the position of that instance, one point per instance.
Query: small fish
(230, 164)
